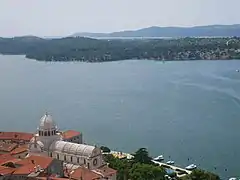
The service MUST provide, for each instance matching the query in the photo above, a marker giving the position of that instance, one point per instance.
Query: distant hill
(197, 31)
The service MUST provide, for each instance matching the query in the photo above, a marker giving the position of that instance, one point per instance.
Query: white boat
(233, 178)
(191, 167)
(237, 70)
(159, 158)
(170, 162)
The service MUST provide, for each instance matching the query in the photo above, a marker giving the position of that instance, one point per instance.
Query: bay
(189, 111)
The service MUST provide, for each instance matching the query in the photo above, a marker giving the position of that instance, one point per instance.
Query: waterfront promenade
(180, 172)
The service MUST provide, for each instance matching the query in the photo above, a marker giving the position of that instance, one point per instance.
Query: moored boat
(159, 158)
(170, 162)
(191, 167)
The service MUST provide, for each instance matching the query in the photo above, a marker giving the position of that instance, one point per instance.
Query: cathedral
(49, 141)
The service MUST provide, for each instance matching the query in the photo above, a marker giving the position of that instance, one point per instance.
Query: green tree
(121, 165)
(142, 156)
(146, 172)
(201, 175)
(105, 149)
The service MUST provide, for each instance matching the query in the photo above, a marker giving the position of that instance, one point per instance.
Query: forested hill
(93, 50)
(155, 31)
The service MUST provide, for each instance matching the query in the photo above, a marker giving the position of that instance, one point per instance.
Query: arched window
(51, 154)
(84, 161)
(45, 133)
(71, 159)
(49, 133)
(65, 158)
(78, 160)
(57, 156)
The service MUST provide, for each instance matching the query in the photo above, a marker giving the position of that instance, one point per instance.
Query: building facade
(49, 141)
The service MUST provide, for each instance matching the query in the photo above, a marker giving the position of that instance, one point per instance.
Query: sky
(65, 17)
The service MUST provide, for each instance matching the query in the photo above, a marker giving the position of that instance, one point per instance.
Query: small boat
(170, 162)
(159, 158)
(191, 167)
(233, 178)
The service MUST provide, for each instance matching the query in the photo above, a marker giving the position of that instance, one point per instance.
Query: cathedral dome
(47, 123)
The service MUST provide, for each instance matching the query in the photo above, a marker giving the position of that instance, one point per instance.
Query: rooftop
(42, 161)
(24, 170)
(70, 133)
(19, 150)
(106, 171)
(16, 136)
(5, 158)
(51, 178)
(85, 173)
(5, 170)
(7, 147)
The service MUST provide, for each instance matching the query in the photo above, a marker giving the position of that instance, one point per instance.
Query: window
(57, 156)
(78, 160)
(95, 162)
(49, 133)
(71, 159)
(84, 161)
(65, 157)
(51, 154)
(45, 133)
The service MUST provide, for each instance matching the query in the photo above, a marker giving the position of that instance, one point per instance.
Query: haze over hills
(154, 31)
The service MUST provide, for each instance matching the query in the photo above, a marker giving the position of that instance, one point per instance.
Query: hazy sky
(64, 17)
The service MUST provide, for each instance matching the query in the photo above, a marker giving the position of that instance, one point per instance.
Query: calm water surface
(179, 109)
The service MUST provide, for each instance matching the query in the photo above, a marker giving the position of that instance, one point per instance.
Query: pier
(179, 171)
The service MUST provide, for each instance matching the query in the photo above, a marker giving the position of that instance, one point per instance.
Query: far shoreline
(135, 59)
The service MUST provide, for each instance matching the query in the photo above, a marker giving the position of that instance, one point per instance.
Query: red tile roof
(70, 133)
(7, 158)
(17, 136)
(85, 173)
(7, 147)
(42, 161)
(6, 170)
(51, 178)
(25, 169)
(19, 150)
(106, 171)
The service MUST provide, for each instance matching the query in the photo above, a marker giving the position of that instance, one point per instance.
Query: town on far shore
(52, 154)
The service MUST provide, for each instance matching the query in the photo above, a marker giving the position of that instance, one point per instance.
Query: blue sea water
(188, 111)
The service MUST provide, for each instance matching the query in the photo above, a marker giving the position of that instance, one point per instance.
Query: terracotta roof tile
(51, 178)
(70, 133)
(16, 136)
(7, 158)
(7, 147)
(107, 171)
(42, 161)
(24, 170)
(19, 150)
(85, 173)
(6, 170)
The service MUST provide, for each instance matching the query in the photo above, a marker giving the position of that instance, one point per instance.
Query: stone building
(49, 141)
